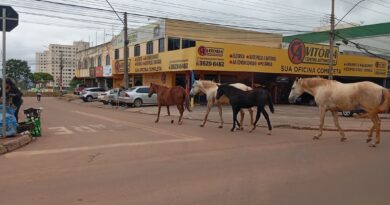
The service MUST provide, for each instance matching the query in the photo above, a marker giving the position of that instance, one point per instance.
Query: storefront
(252, 65)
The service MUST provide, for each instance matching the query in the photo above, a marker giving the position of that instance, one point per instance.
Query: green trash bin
(34, 120)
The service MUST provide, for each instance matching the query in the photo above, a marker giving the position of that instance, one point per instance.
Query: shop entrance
(180, 80)
(138, 80)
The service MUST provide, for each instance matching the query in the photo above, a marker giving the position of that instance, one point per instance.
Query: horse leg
(235, 112)
(181, 110)
(377, 130)
(268, 121)
(220, 115)
(158, 114)
(336, 123)
(207, 114)
(169, 113)
(322, 118)
(242, 114)
(256, 120)
(371, 130)
(250, 110)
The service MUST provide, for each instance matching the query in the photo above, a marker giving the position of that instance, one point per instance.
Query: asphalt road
(92, 155)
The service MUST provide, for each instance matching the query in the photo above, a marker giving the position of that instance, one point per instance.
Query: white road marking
(61, 130)
(140, 126)
(84, 129)
(87, 148)
(97, 126)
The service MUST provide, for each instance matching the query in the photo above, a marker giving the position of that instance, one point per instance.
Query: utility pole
(61, 68)
(126, 43)
(125, 51)
(331, 43)
(4, 73)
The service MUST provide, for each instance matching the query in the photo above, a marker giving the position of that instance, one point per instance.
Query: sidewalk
(288, 116)
(11, 143)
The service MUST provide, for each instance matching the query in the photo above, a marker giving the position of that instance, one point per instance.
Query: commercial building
(172, 52)
(359, 40)
(95, 66)
(50, 61)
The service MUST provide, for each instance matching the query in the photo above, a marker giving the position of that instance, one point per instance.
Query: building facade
(95, 66)
(173, 53)
(58, 56)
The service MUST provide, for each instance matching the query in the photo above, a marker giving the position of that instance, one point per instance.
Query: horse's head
(296, 90)
(195, 89)
(152, 89)
(220, 91)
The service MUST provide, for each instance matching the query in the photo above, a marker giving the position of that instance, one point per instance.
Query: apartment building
(50, 61)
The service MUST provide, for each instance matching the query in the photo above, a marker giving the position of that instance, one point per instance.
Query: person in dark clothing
(13, 93)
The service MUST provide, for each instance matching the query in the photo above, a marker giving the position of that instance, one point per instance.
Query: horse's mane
(230, 87)
(158, 85)
(313, 82)
(208, 83)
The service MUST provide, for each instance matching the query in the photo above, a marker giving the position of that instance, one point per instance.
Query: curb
(285, 126)
(16, 143)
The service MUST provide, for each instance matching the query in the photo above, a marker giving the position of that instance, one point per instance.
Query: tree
(43, 78)
(19, 71)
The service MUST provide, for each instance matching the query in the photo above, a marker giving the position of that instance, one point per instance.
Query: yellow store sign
(244, 58)
(300, 58)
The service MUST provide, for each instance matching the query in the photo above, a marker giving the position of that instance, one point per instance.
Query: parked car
(109, 97)
(89, 94)
(351, 112)
(137, 96)
(78, 89)
(306, 99)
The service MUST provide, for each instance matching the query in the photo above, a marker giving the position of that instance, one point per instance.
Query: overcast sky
(303, 15)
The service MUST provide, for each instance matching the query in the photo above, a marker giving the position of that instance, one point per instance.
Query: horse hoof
(241, 128)
(368, 140)
(202, 125)
(232, 130)
(172, 121)
(316, 138)
(220, 126)
(372, 145)
(268, 133)
(180, 123)
(156, 121)
(343, 139)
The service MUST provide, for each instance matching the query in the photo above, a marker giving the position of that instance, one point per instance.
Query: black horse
(245, 99)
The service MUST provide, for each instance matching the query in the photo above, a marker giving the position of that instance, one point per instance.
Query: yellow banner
(167, 61)
(231, 57)
(302, 59)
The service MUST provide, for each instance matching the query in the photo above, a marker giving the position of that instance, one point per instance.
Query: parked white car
(137, 96)
(110, 96)
(89, 94)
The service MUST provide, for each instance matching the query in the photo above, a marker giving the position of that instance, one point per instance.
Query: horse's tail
(187, 102)
(270, 104)
(383, 107)
(385, 101)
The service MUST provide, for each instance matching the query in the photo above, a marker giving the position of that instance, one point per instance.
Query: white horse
(209, 88)
(334, 96)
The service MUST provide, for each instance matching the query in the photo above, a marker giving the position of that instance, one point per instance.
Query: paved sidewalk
(12, 143)
(288, 116)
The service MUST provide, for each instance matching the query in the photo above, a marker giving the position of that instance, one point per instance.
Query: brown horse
(170, 96)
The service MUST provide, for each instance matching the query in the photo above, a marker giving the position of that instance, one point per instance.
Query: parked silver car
(137, 96)
(110, 96)
(89, 94)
